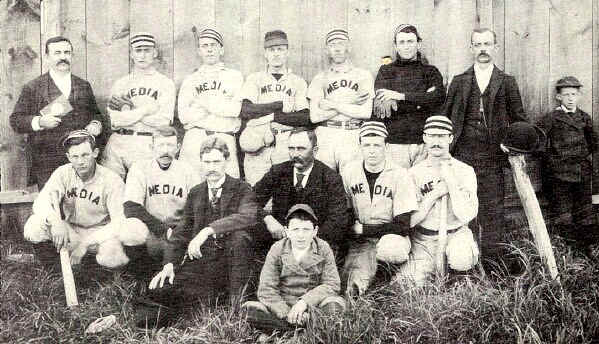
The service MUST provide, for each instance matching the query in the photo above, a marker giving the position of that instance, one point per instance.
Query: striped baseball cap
(82, 133)
(370, 128)
(439, 123)
(408, 28)
(336, 34)
(142, 39)
(213, 34)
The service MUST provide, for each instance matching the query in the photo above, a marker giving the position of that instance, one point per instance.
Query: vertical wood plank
(499, 28)
(283, 15)
(250, 31)
(595, 108)
(527, 52)
(228, 23)
(155, 17)
(187, 15)
(107, 43)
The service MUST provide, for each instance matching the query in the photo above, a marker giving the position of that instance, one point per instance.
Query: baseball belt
(212, 132)
(430, 232)
(279, 131)
(345, 125)
(123, 131)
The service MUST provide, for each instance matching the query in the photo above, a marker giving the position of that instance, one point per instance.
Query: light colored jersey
(215, 90)
(162, 192)
(142, 89)
(262, 87)
(393, 193)
(343, 84)
(85, 204)
(425, 177)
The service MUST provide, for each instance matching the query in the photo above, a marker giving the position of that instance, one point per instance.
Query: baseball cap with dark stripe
(373, 128)
(213, 34)
(336, 34)
(82, 133)
(439, 123)
(141, 39)
(409, 28)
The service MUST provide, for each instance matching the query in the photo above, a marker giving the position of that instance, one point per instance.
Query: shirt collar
(564, 109)
(285, 73)
(219, 183)
(342, 68)
(429, 162)
(212, 68)
(60, 77)
(305, 173)
(287, 247)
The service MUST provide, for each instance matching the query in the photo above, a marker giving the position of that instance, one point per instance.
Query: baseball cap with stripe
(142, 39)
(82, 133)
(213, 34)
(373, 128)
(337, 34)
(439, 123)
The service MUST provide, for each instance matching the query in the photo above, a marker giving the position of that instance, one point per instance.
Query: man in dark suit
(44, 110)
(482, 102)
(306, 180)
(209, 254)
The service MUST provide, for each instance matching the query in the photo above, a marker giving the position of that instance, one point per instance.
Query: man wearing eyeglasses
(481, 103)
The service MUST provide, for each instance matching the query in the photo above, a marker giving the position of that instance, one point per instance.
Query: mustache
(482, 53)
(63, 61)
(436, 146)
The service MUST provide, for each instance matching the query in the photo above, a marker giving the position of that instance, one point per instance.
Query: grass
(473, 308)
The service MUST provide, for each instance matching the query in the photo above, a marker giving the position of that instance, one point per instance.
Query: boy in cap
(209, 103)
(299, 273)
(139, 103)
(571, 142)
(340, 99)
(441, 175)
(274, 101)
(382, 197)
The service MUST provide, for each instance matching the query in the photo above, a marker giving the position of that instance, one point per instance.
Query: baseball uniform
(91, 211)
(133, 128)
(260, 88)
(462, 251)
(338, 136)
(209, 104)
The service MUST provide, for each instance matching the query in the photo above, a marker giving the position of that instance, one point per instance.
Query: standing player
(139, 103)
(340, 98)
(274, 101)
(383, 198)
(437, 176)
(209, 103)
(155, 195)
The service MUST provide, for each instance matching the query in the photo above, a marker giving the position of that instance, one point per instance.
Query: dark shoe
(150, 314)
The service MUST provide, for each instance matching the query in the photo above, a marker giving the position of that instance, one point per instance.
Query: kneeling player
(383, 198)
(80, 206)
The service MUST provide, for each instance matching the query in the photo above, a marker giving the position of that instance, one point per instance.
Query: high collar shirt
(218, 185)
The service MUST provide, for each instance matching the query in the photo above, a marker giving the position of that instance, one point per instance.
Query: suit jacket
(505, 103)
(36, 94)
(323, 192)
(238, 211)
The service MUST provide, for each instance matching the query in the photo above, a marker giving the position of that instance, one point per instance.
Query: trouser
(261, 318)
(258, 163)
(337, 147)
(406, 155)
(123, 150)
(190, 151)
(145, 248)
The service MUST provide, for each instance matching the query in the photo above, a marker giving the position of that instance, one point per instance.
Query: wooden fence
(540, 41)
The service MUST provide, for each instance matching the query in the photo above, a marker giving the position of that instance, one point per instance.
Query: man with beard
(481, 103)
(51, 106)
(155, 194)
(302, 179)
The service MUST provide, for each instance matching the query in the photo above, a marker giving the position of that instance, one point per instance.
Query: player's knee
(333, 305)
(393, 248)
(33, 230)
(462, 251)
(111, 254)
(133, 232)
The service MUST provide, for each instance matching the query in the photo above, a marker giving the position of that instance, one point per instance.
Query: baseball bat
(530, 203)
(67, 278)
(442, 242)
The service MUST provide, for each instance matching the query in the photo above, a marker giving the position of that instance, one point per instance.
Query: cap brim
(275, 41)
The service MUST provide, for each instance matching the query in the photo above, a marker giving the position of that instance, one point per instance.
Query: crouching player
(80, 207)
(435, 177)
(382, 197)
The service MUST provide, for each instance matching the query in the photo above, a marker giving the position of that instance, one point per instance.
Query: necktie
(300, 178)
(215, 198)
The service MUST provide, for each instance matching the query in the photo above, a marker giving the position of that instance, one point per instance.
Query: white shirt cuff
(35, 123)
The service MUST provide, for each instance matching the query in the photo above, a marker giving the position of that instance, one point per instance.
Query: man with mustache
(139, 103)
(482, 102)
(51, 106)
(155, 194)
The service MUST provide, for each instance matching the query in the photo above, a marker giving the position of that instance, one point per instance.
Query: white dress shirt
(305, 173)
(483, 76)
(218, 185)
(63, 82)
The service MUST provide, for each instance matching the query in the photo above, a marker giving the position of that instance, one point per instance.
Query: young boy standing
(570, 144)
(299, 272)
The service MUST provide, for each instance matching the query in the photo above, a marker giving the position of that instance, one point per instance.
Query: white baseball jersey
(262, 87)
(86, 204)
(216, 90)
(425, 176)
(143, 88)
(343, 84)
(162, 192)
(393, 193)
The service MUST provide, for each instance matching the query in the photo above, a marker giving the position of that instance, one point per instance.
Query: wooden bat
(442, 242)
(67, 278)
(536, 224)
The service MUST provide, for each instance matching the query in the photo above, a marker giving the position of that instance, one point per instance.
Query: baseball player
(340, 98)
(80, 206)
(155, 194)
(383, 198)
(441, 175)
(274, 101)
(209, 103)
(139, 103)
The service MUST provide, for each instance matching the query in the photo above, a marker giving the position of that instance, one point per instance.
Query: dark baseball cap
(276, 37)
(568, 81)
(301, 207)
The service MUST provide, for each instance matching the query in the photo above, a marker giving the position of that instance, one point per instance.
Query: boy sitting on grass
(299, 272)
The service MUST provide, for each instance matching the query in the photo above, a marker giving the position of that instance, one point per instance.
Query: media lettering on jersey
(142, 91)
(342, 83)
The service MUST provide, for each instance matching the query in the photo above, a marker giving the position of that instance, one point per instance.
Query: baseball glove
(120, 103)
(382, 108)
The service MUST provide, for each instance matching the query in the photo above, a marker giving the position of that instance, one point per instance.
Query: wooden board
(249, 16)
(595, 109)
(490, 14)
(228, 23)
